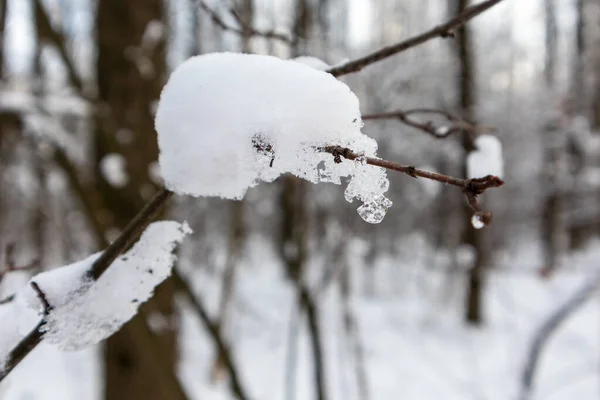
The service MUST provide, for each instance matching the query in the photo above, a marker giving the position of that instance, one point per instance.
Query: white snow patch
(226, 121)
(486, 159)
(10, 335)
(86, 312)
(113, 167)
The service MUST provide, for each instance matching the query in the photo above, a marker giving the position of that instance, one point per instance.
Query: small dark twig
(455, 125)
(444, 30)
(548, 328)
(470, 187)
(245, 30)
(7, 300)
(43, 299)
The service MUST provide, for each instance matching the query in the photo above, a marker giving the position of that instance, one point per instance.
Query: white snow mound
(227, 121)
(85, 312)
(486, 159)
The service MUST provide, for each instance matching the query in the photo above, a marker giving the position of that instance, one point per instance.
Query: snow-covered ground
(415, 344)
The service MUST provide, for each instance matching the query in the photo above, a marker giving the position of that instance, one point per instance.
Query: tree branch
(43, 299)
(123, 241)
(548, 327)
(245, 30)
(444, 30)
(48, 32)
(470, 187)
(456, 124)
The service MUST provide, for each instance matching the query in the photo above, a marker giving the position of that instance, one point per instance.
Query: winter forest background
(289, 294)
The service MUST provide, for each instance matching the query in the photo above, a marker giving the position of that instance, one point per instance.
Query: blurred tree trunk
(237, 230)
(41, 209)
(3, 15)
(294, 233)
(293, 204)
(550, 40)
(578, 78)
(581, 102)
(466, 102)
(553, 228)
(131, 69)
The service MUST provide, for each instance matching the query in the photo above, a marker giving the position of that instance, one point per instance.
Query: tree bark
(466, 102)
(127, 90)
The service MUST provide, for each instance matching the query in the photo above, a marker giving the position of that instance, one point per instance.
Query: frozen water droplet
(374, 211)
(477, 222)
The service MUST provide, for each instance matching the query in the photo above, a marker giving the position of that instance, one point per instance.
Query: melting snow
(227, 121)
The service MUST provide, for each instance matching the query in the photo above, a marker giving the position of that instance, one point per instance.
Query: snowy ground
(415, 344)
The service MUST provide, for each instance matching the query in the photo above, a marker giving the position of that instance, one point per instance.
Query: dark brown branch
(470, 187)
(7, 300)
(43, 299)
(244, 29)
(215, 335)
(549, 327)
(123, 241)
(455, 124)
(130, 234)
(49, 33)
(444, 30)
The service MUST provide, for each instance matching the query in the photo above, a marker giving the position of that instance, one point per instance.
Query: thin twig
(245, 30)
(548, 327)
(43, 299)
(48, 32)
(455, 125)
(130, 234)
(7, 300)
(471, 187)
(444, 30)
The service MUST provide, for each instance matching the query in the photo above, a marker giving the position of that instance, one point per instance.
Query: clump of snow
(486, 159)
(113, 168)
(85, 312)
(227, 121)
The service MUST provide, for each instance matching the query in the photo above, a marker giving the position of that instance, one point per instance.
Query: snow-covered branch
(87, 309)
